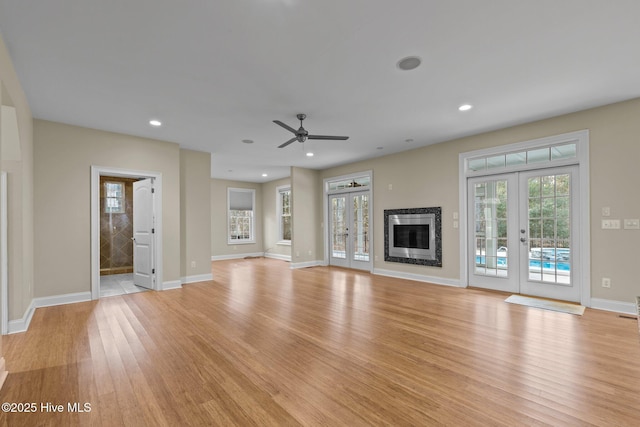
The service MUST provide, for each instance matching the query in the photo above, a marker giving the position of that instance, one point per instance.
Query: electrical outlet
(193, 264)
(606, 282)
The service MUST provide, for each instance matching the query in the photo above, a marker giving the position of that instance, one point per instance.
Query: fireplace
(413, 236)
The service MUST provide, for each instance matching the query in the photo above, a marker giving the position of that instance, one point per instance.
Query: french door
(349, 230)
(525, 233)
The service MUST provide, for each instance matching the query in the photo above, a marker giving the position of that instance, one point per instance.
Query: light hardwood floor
(264, 345)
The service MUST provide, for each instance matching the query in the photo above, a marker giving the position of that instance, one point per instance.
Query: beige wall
(63, 157)
(270, 217)
(195, 213)
(306, 216)
(19, 170)
(219, 242)
(429, 177)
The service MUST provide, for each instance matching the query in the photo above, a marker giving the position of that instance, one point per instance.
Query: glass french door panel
(360, 228)
(339, 229)
(549, 213)
(491, 235)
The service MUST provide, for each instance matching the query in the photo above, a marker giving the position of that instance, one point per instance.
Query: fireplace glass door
(349, 230)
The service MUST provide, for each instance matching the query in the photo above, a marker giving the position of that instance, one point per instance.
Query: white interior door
(349, 230)
(524, 233)
(143, 233)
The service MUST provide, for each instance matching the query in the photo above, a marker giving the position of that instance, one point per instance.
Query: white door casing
(96, 172)
(4, 257)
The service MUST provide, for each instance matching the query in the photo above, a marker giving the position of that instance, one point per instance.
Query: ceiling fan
(301, 135)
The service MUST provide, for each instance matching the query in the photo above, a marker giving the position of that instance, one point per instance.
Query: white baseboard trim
(236, 256)
(418, 277)
(21, 325)
(61, 299)
(278, 256)
(615, 306)
(306, 264)
(196, 278)
(171, 284)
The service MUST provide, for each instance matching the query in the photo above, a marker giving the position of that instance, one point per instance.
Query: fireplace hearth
(413, 236)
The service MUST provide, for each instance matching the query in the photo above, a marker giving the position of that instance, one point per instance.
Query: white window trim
(279, 190)
(581, 138)
(252, 238)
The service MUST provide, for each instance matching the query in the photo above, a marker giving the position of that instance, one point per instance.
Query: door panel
(359, 238)
(143, 268)
(493, 232)
(552, 236)
(339, 230)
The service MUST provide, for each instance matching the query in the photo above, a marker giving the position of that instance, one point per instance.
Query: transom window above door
(517, 160)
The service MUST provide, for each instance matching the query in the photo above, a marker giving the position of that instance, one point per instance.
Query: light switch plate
(610, 224)
(632, 224)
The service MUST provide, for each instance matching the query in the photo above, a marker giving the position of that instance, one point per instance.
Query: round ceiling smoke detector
(409, 63)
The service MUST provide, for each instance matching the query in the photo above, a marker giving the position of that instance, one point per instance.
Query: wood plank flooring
(263, 345)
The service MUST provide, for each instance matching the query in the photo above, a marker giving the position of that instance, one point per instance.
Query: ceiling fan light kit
(301, 135)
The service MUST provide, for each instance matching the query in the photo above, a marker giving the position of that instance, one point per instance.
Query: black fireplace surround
(413, 236)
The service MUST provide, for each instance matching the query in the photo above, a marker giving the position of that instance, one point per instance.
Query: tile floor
(118, 284)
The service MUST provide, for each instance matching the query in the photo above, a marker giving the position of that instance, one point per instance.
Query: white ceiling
(217, 72)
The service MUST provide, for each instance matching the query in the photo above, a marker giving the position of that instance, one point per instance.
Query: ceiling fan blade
(287, 127)
(288, 142)
(341, 138)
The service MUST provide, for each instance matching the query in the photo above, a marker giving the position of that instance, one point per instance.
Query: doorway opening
(126, 236)
(348, 214)
(526, 224)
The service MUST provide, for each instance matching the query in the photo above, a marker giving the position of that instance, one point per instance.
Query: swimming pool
(534, 264)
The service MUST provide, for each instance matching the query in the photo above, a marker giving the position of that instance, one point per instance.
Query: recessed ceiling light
(465, 107)
(155, 122)
(409, 63)
(264, 175)
(247, 141)
(309, 154)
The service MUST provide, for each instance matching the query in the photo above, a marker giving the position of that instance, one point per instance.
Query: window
(355, 182)
(114, 197)
(549, 154)
(284, 214)
(241, 202)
